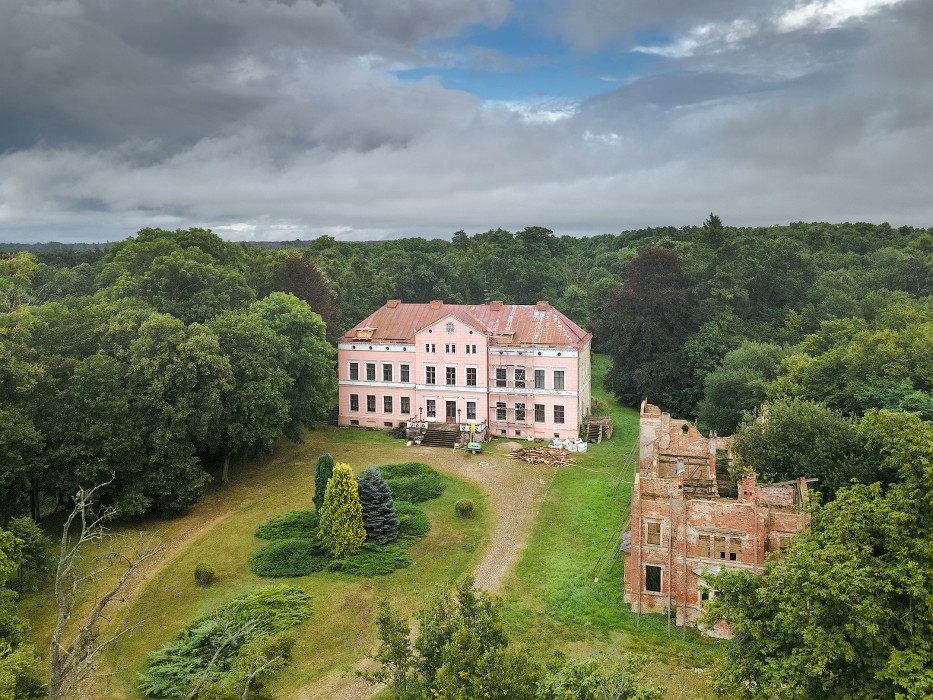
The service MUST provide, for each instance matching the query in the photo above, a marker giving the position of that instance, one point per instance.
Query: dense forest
(155, 356)
(146, 365)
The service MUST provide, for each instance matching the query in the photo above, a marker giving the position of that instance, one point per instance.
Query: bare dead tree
(73, 652)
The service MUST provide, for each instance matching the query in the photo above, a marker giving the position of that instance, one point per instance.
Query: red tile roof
(531, 324)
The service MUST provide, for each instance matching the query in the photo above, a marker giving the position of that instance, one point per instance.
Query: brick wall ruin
(683, 525)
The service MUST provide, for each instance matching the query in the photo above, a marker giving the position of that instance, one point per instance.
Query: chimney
(495, 305)
(436, 303)
(393, 303)
(542, 306)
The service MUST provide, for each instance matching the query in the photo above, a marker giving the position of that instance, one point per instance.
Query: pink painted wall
(485, 394)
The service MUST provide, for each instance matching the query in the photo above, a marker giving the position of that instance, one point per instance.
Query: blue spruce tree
(379, 516)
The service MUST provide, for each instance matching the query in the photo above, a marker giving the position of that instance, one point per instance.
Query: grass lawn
(554, 601)
(219, 530)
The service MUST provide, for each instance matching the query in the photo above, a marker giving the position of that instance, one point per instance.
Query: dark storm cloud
(285, 119)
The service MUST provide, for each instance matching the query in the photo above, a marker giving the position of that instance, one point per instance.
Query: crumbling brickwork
(683, 528)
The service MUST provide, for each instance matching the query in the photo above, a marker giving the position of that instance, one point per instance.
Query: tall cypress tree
(325, 470)
(379, 516)
(341, 530)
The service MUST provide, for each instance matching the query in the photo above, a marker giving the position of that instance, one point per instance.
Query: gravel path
(514, 491)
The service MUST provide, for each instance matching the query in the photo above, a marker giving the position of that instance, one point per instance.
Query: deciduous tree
(846, 613)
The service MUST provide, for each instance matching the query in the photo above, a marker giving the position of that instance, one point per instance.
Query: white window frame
(353, 364)
(563, 379)
(403, 369)
(391, 367)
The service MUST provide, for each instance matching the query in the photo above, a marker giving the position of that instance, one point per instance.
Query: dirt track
(514, 491)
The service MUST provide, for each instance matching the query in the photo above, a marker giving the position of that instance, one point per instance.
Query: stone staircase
(441, 435)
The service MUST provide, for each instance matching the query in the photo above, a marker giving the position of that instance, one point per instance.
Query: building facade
(520, 370)
(683, 528)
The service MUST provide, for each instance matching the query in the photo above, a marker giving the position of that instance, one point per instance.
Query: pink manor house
(514, 370)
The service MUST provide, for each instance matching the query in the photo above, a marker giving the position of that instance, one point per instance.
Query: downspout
(638, 611)
(670, 559)
(683, 627)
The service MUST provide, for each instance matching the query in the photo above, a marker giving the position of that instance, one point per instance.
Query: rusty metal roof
(528, 324)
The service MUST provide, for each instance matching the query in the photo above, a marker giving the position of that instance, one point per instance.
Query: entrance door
(451, 411)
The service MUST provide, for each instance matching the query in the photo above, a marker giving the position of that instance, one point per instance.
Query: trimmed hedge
(413, 481)
(288, 558)
(296, 524)
(372, 560)
(413, 522)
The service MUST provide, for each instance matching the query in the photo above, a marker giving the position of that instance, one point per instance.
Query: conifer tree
(341, 530)
(379, 516)
(325, 469)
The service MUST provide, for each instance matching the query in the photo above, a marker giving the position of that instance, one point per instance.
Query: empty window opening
(652, 578)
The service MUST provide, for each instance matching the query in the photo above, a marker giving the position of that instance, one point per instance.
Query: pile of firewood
(551, 456)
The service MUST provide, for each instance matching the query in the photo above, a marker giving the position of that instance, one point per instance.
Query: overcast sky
(367, 119)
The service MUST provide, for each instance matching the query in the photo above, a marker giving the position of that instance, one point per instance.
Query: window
(354, 402)
(735, 548)
(405, 405)
(652, 578)
(652, 533)
(558, 414)
(519, 411)
(371, 403)
(502, 376)
(450, 375)
(404, 373)
(354, 422)
(520, 377)
(430, 374)
(703, 547)
(539, 379)
(471, 410)
(471, 376)
(450, 328)
(470, 349)
(431, 408)
(539, 413)
(387, 404)
(500, 410)
(558, 380)
(387, 372)
(354, 371)
(370, 371)
(429, 347)
(387, 424)
(450, 348)
(707, 593)
(720, 548)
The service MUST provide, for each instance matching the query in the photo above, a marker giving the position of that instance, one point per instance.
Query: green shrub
(413, 522)
(372, 560)
(207, 649)
(413, 482)
(464, 508)
(287, 558)
(204, 574)
(296, 524)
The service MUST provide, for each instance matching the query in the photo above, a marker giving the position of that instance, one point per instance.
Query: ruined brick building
(682, 525)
